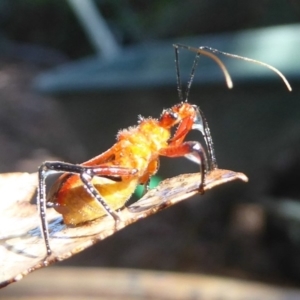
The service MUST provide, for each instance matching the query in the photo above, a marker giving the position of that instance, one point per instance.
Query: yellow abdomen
(136, 148)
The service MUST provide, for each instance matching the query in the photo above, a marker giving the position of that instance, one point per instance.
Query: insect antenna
(195, 63)
(200, 51)
(204, 128)
(178, 78)
(204, 50)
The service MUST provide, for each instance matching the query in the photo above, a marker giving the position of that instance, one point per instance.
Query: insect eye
(173, 115)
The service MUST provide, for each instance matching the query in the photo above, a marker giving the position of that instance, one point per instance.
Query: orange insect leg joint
(192, 150)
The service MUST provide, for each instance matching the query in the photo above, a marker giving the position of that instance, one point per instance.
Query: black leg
(197, 152)
(209, 142)
(41, 204)
(86, 174)
(193, 151)
(86, 178)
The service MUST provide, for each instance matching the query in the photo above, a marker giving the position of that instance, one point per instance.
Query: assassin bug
(104, 183)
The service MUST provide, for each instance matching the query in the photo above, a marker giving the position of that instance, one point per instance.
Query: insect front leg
(196, 121)
(192, 150)
(86, 174)
(201, 124)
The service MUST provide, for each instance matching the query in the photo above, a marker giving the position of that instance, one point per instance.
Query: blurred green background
(52, 109)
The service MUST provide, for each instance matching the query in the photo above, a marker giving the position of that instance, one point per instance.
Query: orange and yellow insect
(103, 184)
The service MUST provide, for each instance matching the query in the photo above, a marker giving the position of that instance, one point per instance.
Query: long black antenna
(178, 77)
(195, 63)
(204, 51)
(206, 131)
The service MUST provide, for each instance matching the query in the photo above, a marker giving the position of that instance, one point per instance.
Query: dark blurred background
(64, 95)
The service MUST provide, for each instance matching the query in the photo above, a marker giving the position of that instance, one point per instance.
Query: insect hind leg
(41, 204)
(85, 173)
(86, 177)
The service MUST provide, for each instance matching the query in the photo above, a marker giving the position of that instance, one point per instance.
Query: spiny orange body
(136, 148)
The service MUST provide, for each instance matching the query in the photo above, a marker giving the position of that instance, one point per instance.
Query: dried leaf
(22, 249)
